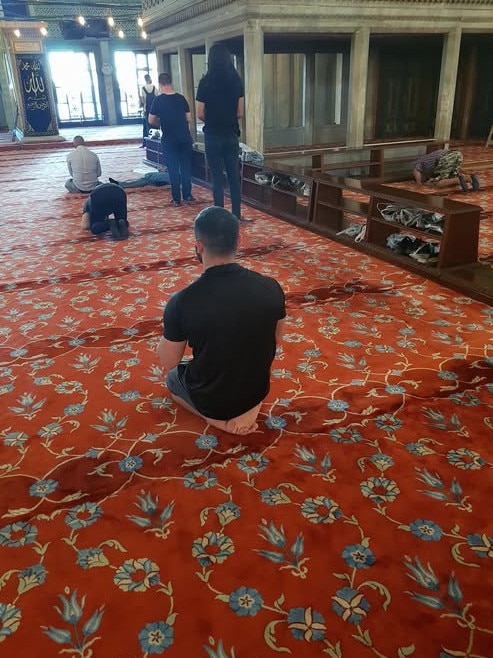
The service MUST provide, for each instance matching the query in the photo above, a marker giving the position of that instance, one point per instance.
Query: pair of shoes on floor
(119, 229)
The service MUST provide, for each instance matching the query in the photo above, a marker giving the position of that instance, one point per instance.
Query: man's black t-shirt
(229, 318)
(220, 105)
(172, 110)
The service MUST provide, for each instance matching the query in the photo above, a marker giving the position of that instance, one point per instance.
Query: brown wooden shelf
(347, 205)
(458, 244)
(402, 228)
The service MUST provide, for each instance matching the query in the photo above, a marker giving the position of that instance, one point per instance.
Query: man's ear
(199, 246)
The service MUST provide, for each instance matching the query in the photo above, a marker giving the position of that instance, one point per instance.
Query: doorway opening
(130, 69)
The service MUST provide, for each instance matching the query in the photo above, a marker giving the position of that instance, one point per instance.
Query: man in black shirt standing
(172, 112)
(232, 318)
(220, 103)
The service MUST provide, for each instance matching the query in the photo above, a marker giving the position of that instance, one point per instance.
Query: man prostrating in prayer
(105, 209)
(232, 318)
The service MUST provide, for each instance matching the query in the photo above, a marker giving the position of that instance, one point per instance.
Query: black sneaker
(426, 253)
(190, 199)
(462, 183)
(175, 204)
(115, 231)
(123, 228)
(402, 244)
(475, 182)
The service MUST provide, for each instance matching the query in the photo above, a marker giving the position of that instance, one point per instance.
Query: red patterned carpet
(354, 523)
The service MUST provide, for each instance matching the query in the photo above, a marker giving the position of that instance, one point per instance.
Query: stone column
(471, 86)
(448, 79)
(309, 98)
(208, 43)
(7, 105)
(108, 72)
(358, 75)
(253, 46)
(186, 82)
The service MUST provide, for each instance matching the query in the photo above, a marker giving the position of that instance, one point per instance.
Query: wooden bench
(371, 156)
(458, 242)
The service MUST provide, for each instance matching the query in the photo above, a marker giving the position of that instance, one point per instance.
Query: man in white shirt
(84, 167)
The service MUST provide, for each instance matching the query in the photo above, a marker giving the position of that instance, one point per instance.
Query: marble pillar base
(37, 139)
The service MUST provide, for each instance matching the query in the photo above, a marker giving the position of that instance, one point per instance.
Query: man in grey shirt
(84, 168)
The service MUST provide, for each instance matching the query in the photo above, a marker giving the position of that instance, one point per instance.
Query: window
(75, 86)
(130, 70)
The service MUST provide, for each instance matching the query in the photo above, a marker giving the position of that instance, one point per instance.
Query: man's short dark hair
(218, 230)
(164, 79)
(147, 78)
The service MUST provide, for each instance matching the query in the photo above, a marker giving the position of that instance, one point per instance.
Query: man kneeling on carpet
(106, 200)
(232, 319)
(443, 169)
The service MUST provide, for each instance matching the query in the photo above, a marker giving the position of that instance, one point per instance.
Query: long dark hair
(220, 67)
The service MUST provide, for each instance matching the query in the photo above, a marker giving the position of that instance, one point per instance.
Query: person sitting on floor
(156, 178)
(106, 200)
(232, 319)
(443, 169)
(84, 168)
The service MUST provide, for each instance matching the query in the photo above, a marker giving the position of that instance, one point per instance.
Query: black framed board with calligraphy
(37, 100)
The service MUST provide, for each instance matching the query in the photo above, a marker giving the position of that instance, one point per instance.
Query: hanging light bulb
(43, 31)
(121, 34)
(17, 33)
(81, 20)
(140, 22)
(111, 21)
(143, 34)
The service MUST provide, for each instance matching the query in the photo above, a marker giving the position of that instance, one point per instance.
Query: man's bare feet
(241, 425)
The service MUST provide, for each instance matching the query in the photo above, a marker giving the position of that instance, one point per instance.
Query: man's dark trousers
(178, 159)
